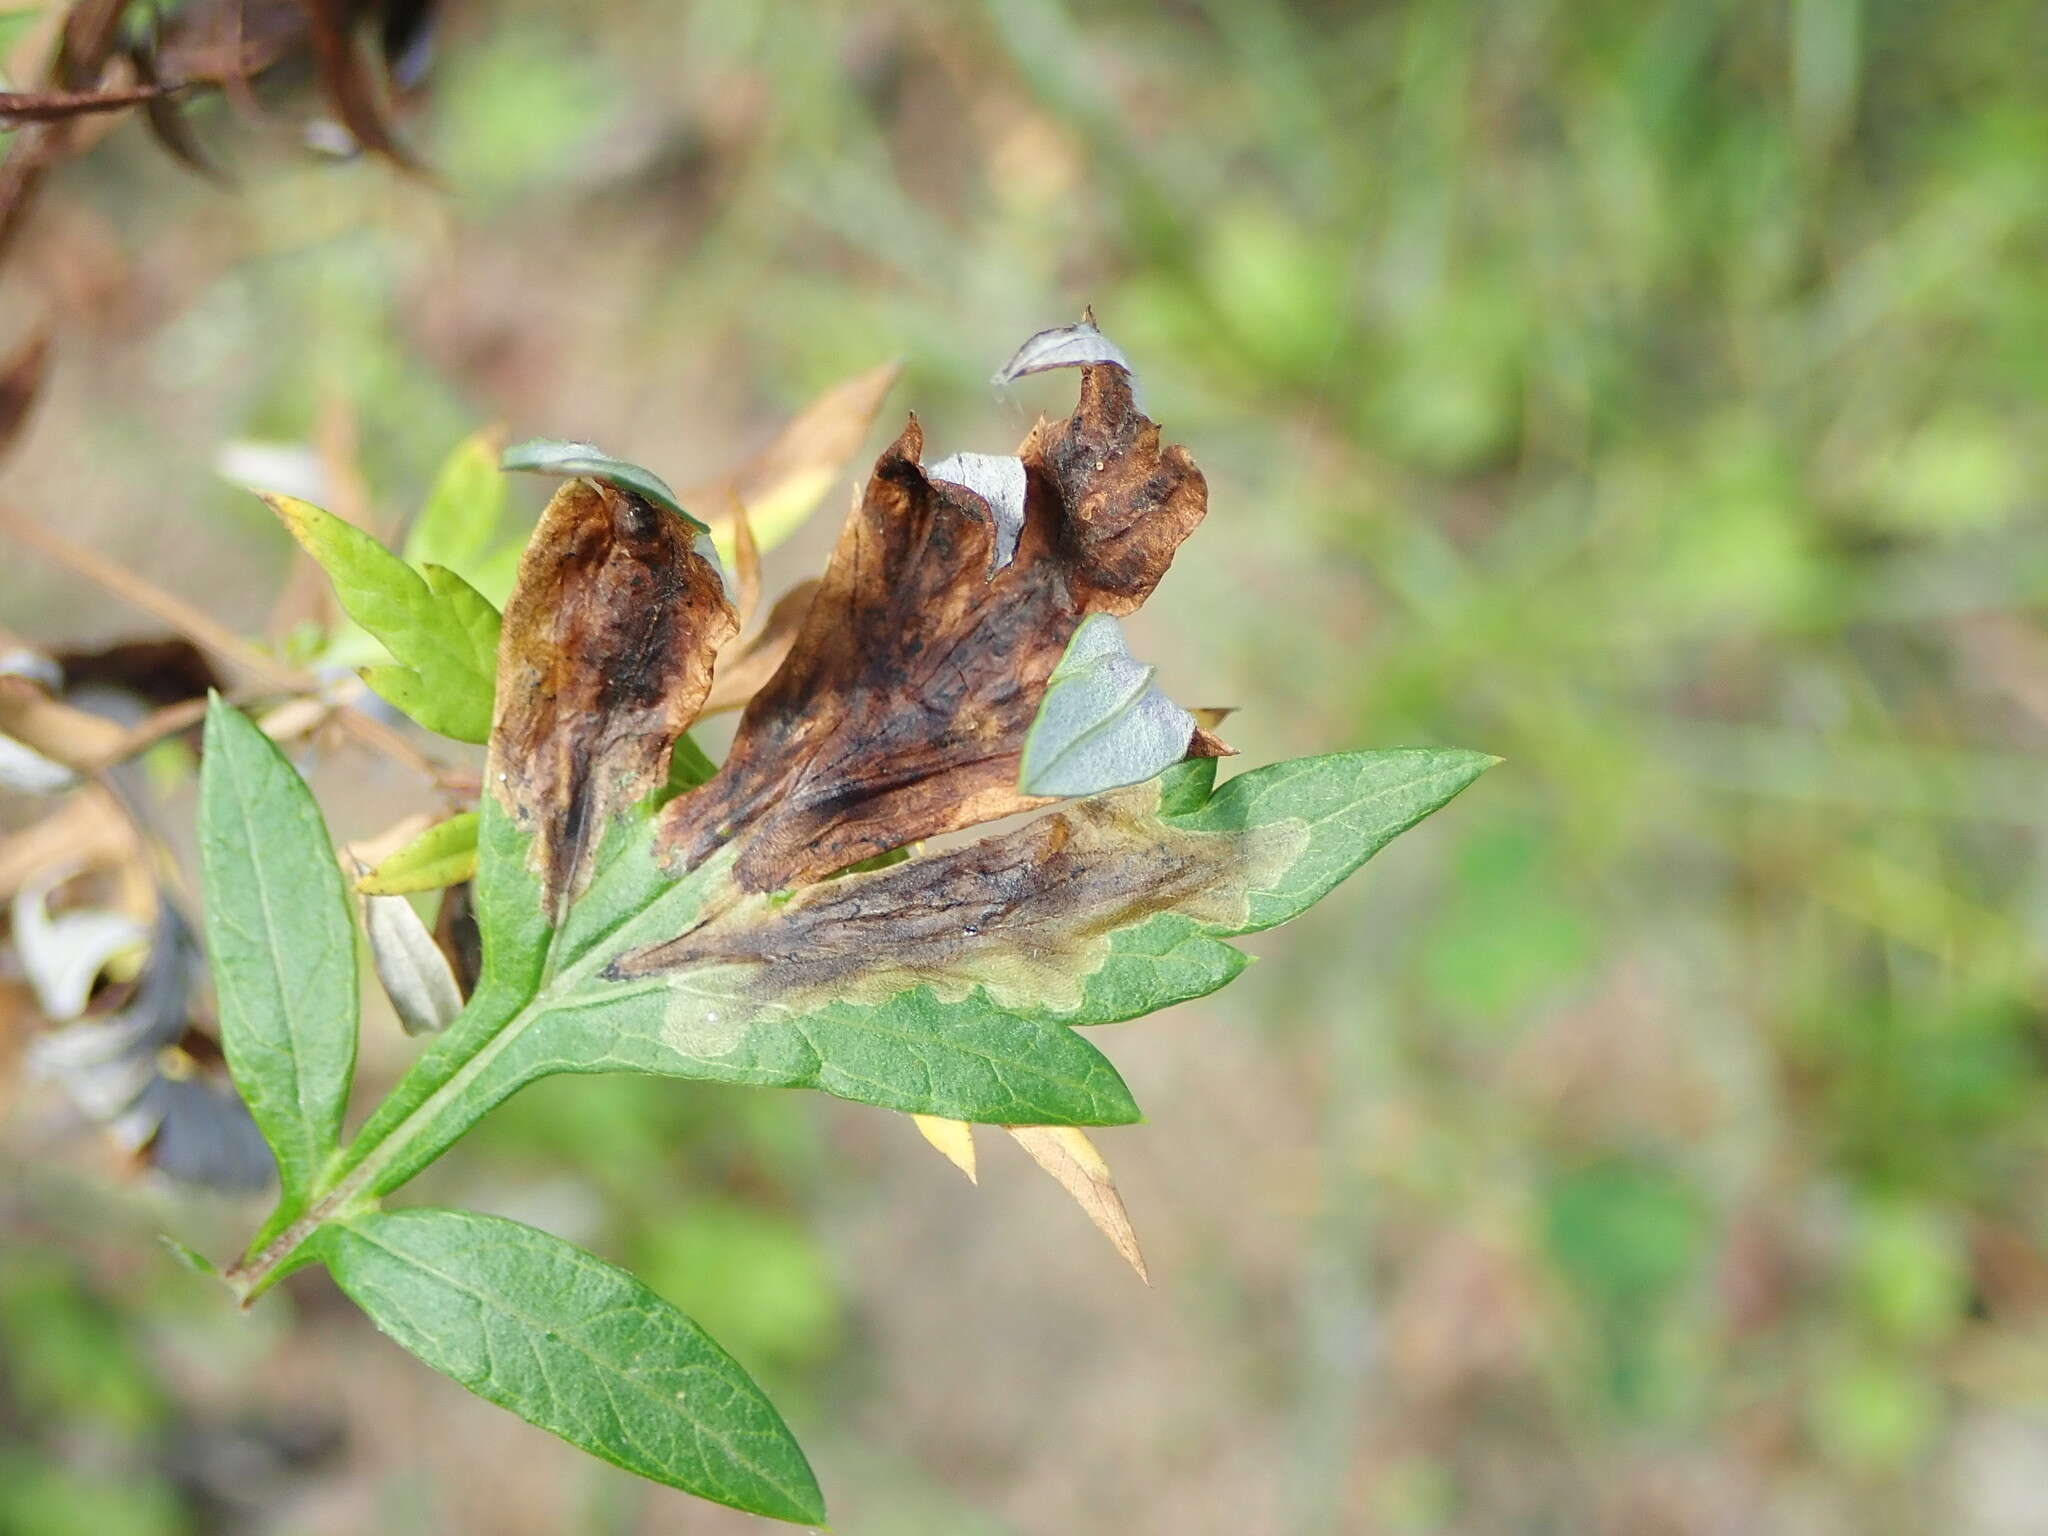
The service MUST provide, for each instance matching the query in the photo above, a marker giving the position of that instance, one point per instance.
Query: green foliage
(444, 854)
(281, 943)
(442, 631)
(71, 1357)
(1637, 390)
(576, 1346)
(984, 1031)
(38, 1498)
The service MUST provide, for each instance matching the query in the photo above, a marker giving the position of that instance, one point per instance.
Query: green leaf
(442, 633)
(576, 1346)
(281, 943)
(444, 854)
(1103, 722)
(464, 511)
(550, 456)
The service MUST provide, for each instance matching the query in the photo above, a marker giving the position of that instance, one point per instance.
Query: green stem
(360, 1178)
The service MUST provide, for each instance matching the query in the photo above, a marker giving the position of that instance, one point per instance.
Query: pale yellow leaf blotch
(953, 1138)
(1065, 1152)
(782, 484)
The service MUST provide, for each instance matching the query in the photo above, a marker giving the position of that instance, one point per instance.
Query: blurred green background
(1652, 393)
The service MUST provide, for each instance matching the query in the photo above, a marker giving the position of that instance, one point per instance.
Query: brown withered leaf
(205, 44)
(219, 41)
(346, 78)
(904, 701)
(21, 381)
(455, 930)
(604, 660)
(745, 672)
(18, 107)
(161, 109)
(1026, 914)
(781, 484)
(1065, 1152)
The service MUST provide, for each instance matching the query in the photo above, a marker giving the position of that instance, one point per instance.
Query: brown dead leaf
(21, 381)
(218, 42)
(782, 483)
(746, 671)
(746, 565)
(1065, 1152)
(92, 30)
(86, 831)
(1025, 914)
(953, 1139)
(605, 658)
(89, 34)
(903, 704)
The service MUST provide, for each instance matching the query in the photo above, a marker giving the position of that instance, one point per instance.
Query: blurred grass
(1651, 393)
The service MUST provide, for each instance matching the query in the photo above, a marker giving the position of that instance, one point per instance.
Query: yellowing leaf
(954, 1140)
(465, 509)
(1065, 1152)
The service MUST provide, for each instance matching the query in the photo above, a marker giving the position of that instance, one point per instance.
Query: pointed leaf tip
(444, 854)
(280, 942)
(441, 632)
(1065, 1152)
(952, 1139)
(576, 1346)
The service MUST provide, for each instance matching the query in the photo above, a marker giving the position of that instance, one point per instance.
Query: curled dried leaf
(745, 671)
(1065, 1152)
(605, 659)
(1063, 346)
(782, 484)
(148, 1078)
(902, 707)
(347, 80)
(21, 381)
(63, 953)
(998, 479)
(416, 976)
